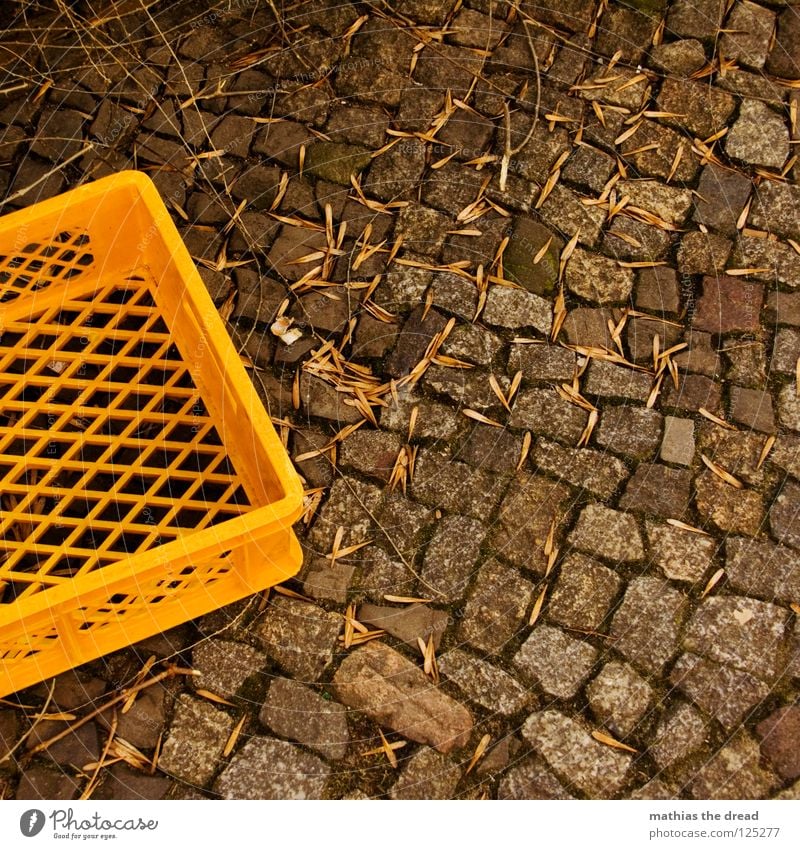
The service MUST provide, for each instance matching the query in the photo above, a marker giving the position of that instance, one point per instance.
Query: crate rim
(255, 524)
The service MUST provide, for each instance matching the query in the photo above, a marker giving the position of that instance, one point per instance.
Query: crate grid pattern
(141, 481)
(105, 447)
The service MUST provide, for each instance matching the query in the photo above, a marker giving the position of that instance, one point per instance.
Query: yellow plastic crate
(141, 481)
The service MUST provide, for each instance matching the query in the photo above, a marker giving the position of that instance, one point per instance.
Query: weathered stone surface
(776, 258)
(546, 363)
(701, 357)
(779, 734)
(632, 431)
(784, 58)
(703, 253)
(678, 442)
(741, 632)
(441, 482)
(531, 779)
(789, 406)
(694, 18)
(759, 136)
(299, 713)
(583, 594)
(465, 387)
(542, 501)
(454, 294)
(265, 768)
(734, 772)
(144, 723)
(301, 637)
(326, 581)
(694, 391)
(747, 34)
(434, 421)
(426, 775)
(679, 58)
(564, 211)
(41, 782)
(657, 290)
(121, 782)
(558, 663)
(724, 692)
(747, 367)
(379, 682)
(589, 167)
(703, 108)
(681, 732)
(473, 344)
(584, 468)
(225, 665)
(647, 626)
(349, 501)
(738, 511)
(546, 413)
(784, 308)
(609, 380)
(658, 490)
(619, 698)
(566, 744)
(775, 208)
(758, 567)
(496, 608)
(526, 240)
(490, 448)
(516, 308)
(681, 555)
(414, 338)
(335, 161)
(722, 195)
(322, 400)
(670, 204)
(484, 683)
(728, 304)
(607, 533)
(597, 278)
(451, 556)
(752, 408)
(371, 452)
(193, 749)
(409, 623)
(78, 747)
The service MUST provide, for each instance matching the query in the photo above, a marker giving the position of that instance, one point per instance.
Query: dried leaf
(716, 419)
(712, 582)
(213, 697)
(721, 473)
(537, 607)
(480, 751)
(479, 417)
(234, 736)
(770, 441)
(607, 740)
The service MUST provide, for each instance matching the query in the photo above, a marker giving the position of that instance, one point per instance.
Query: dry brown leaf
(479, 417)
(213, 697)
(769, 442)
(480, 751)
(721, 473)
(234, 736)
(537, 607)
(608, 740)
(716, 419)
(407, 599)
(712, 582)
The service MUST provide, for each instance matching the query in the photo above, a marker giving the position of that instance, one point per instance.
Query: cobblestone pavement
(543, 261)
